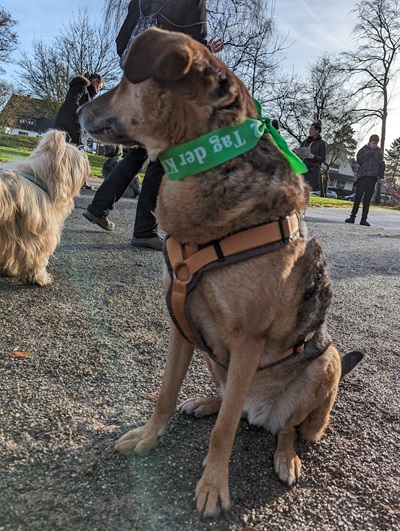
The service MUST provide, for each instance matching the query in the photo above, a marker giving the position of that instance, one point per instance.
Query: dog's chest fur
(251, 190)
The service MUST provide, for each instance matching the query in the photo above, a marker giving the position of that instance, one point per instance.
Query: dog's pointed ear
(160, 55)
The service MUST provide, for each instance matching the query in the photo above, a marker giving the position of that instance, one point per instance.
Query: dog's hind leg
(212, 492)
(312, 415)
(201, 406)
(145, 438)
(313, 426)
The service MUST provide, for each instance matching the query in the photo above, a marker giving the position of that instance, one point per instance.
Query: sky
(314, 26)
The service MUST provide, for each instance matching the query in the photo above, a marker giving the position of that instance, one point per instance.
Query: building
(341, 176)
(26, 115)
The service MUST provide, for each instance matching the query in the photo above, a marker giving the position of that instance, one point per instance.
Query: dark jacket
(318, 149)
(370, 162)
(79, 93)
(175, 15)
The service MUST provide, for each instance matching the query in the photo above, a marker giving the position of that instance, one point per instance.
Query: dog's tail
(349, 361)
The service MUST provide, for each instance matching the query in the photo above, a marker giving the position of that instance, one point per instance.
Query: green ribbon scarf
(224, 144)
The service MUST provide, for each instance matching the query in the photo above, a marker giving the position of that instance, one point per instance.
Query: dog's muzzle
(106, 129)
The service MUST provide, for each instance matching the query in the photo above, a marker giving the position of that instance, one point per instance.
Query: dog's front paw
(287, 466)
(140, 441)
(201, 407)
(212, 495)
(42, 279)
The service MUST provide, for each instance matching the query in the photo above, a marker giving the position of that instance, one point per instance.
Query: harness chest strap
(35, 180)
(187, 260)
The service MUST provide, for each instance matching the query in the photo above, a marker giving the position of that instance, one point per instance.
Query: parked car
(329, 193)
(350, 197)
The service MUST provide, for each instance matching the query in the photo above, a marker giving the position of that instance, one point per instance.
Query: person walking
(314, 154)
(371, 168)
(186, 16)
(81, 90)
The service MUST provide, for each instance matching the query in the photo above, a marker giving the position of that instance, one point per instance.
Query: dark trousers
(112, 188)
(365, 187)
(145, 222)
(312, 177)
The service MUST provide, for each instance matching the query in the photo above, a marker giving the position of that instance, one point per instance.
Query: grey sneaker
(104, 222)
(155, 243)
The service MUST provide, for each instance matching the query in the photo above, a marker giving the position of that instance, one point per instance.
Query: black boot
(350, 219)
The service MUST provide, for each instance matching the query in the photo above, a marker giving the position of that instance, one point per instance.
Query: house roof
(29, 107)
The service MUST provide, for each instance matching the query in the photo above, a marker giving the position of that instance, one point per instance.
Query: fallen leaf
(20, 353)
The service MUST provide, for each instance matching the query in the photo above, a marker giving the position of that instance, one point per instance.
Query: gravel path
(97, 341)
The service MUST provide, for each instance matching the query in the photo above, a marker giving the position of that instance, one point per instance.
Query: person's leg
(311, 178)
(112, 188)
(357, 200)
(145, 229)
(369, 192)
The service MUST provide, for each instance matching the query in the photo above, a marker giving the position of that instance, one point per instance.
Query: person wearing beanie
(315, 156)
(371, 168)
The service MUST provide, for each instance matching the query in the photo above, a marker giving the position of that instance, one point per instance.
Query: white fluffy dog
(36, 196)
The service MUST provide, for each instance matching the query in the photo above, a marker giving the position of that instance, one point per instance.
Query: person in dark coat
(81, 90)
(371, 168)
(186, 16)
(315, 156)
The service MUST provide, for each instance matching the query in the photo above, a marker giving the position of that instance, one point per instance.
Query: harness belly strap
(186, 264)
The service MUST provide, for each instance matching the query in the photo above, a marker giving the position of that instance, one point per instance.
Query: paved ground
(97, 341)
(379, 218)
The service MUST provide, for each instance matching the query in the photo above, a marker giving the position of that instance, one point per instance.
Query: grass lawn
(326, 202)
(18, 147)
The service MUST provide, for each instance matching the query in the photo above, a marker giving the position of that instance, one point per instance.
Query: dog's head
(61, 166)
(169, 79)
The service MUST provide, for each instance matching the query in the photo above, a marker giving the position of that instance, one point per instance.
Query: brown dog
(252, 314)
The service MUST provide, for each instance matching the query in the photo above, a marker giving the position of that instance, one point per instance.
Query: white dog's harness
(35, 180)
(186, 263)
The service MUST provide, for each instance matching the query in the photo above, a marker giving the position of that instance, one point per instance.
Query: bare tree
(373, 64)
(292, 105)
(392, 160)
(324, 96)
(334, 106)
(115, 12)
(252, 44)
(340, 147)
(6, 89)
(82, 47)
(8, 37)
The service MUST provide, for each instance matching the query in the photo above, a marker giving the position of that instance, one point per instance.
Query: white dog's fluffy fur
(31, 220)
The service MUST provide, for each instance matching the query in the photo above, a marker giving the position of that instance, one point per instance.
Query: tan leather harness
(186, 263)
